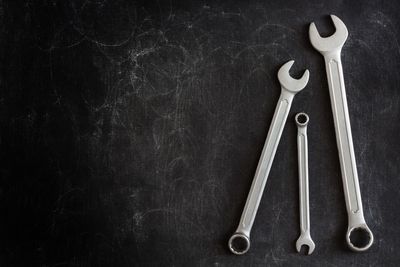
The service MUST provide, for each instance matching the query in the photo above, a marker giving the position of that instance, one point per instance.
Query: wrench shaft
(302, 148)
(343, 134)
(265, 162)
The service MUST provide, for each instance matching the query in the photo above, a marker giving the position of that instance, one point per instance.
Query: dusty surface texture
(130, 131)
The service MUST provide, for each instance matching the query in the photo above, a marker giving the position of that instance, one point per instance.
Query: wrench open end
(239, 244)
(359, 238)
(331, 43)
(305, 240)
(289, 83)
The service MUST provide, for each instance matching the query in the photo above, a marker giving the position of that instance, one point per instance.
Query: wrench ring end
(301, 119)
(362, 228)
(239, 248)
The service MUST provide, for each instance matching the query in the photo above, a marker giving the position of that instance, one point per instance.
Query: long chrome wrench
(239, 243)
(302, 151)
(330, 47)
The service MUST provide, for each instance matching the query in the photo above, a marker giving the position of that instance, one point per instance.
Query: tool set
(330, 47)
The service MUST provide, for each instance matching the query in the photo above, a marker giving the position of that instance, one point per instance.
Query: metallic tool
(302, 150)
(330, 47)
(239, 243)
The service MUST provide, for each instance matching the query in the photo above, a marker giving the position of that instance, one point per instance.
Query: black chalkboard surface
(130, 131)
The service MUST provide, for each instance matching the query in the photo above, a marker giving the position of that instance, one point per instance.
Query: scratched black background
(130, 131)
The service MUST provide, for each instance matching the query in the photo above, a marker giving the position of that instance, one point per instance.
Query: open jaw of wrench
(239, 243)
(358, 237)
(302, 149)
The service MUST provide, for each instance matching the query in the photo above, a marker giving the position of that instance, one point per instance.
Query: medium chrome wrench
(239, 243)
(302, 151)
(330, 47)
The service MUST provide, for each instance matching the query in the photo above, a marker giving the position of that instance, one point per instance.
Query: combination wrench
(330, 47)
(239, 243)
(302, 151)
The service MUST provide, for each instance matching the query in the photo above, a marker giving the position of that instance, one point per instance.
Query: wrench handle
(343, 135)
(265, 162)
(344, 141)
(302, 151)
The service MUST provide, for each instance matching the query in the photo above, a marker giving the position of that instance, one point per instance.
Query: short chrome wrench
(239, 243)
(330, 47)
(302, 151)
